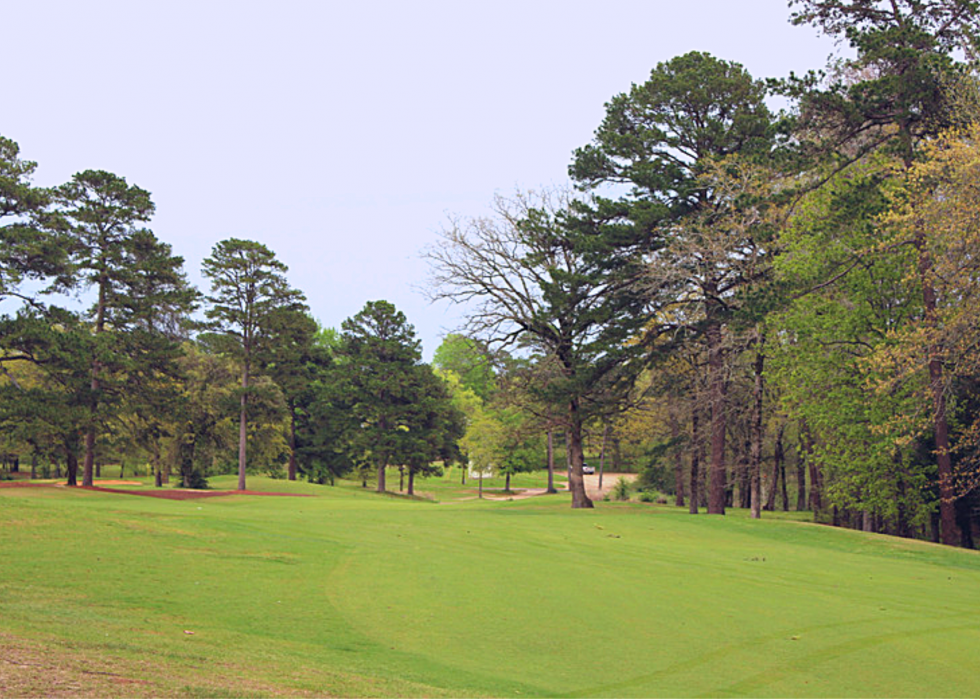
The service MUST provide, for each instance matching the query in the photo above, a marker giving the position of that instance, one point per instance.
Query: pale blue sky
(340, 134)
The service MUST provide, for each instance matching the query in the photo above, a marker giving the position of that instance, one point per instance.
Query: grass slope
(350, 593)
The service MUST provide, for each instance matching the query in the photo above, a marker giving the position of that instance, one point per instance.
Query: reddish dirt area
(169, 494)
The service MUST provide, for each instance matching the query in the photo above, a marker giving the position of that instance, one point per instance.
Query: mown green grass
(350, 593)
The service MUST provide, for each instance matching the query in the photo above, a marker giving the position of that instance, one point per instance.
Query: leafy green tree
(469, 361)
(136, 280)
(827, 338)
(295, 362)
(434, 427)
(662, 138)
(893, 95)
(27, 249)
(377, 384)
(53, 409)
(248, 293)
(321, 418)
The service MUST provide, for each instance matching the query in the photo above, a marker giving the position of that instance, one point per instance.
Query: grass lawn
(350, 593)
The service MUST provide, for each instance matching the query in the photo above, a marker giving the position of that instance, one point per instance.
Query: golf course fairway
(351, 593)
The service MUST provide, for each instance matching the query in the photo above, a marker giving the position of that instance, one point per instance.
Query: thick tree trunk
(243, 428)
(576, 478)
(675, 434)
(33, 465)
(88, 467)
(695, 458)
(568, 463)
(716, 387)
(382, 466)
(291, 471)
(411, 482)
(755, 458)
(71, 466)
(551, 463)
(506, 482)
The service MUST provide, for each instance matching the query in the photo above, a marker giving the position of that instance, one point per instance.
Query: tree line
(747, 289)
(137, 376)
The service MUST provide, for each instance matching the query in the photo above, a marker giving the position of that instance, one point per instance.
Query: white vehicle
(588, 469)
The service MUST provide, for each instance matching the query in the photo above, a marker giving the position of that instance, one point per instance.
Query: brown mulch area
(169, 494)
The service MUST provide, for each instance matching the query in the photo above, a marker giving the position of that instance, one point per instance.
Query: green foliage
(382, 406)
(621, 491)
(250, 305)
(469, 361)
(27, 249)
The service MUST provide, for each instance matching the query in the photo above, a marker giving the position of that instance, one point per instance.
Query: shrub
(621, 491)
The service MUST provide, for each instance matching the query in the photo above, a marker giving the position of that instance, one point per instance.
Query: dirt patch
(168, 494)
(608, 483)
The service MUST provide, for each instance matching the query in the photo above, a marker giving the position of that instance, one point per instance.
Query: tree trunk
(568, 463)
(507, 482)
(675, 434)
(777, 469)
(949, 532)
(382, 466)
(716, 387)
(576, 478)
(88, 468)
(33, 465)
(401, 478)
(801, 472)
(243, 428)
(602, 455)
(815, 502)
(71, 466)
(481, 482)
(782, 472)
(695, 458)
(98, 469)
(291, 472)
(551, 463)
(743, 476)
(411, 482)
(755, 459)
